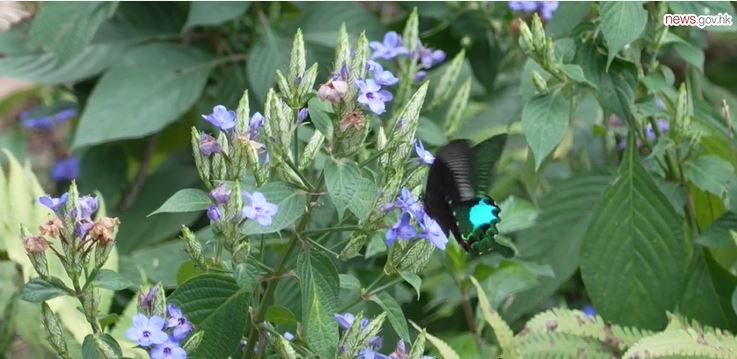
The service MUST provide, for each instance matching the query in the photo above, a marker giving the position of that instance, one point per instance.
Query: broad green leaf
(688, 52)
(719, 235)
(394, 314)
(518, 214)
(430, 133)
(707, 296)
(268, 54)
(710, 173)
(65, 28)
(706, 8)
(348, 281)
(502, 331)
(321, 20)
(101, 346)
(280, 315)
(111, 280)
(575, 72)
(291, 203)
(216, 305)
(48, 68)
(621, 23)
(348, 189)
(414, 280)
(544, 122)
(615, 84)
(214, 12)
(320, 287)
(167, 78)
(320, 117)
(247, 275)
(39, 290)
(446, 352)
(567, 16)
(630, 228)
(185, 200)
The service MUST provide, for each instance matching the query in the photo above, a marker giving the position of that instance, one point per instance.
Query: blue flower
(663, 127)
(209, 145)
(168, 350)
(221, 118)
(546, 8)
(54, 204)
(420, 76)
(424, 156)
(65, 169)
(388, 49)
(146, 331)
(87, 206)
(371, 95)
(213, 213)
(302, 114)
(589, 310)
(220, 195)
(525, 6)
(181, 326)
(407, 203)
(400, 351)
(288, 336)
(345, 320)
(429, 57)
(432, 232)
(82, 227)
(66, 114)
(379, 75)
(400, 230)
(255, 124)
(41, 123)
(259, 209)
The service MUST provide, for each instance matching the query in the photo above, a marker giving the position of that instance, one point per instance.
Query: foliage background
(142, 73)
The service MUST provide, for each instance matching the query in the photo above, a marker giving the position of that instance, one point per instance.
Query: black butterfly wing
(450, 182)
(486, 155)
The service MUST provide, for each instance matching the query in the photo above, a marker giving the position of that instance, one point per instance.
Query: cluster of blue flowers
(375, 343)
(151, 333)
(257, 208)
(224, 120)
(88, 205)
(413, 211)
(546, 8)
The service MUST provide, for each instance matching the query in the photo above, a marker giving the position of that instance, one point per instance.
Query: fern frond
(575, 322)
(555, 345)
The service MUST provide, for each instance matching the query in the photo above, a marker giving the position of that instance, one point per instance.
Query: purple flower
(370, 353)
(400, 351)
(168, 350)
(41, 123)
(259, 209)
(87, 206)
(213, 213)
(288, 336)
(65, 169)
(379, 75)
(345, 320)
(663, 127)
(407, 203)
(254, 124)
(525, 6)
(220, 195)
(420, 76)
(83, 226)
(547, 8)
(54, 204)
(181, 325)
(209, 145)
(429, 57)
(388, 49)
(302, 114)
(221, 118)
(66, 114)
(373, 96)
(146, 331)
(423, 155)
(145, 301)
(659, 104)
(432, 232)
(400, 230)
(589, 310)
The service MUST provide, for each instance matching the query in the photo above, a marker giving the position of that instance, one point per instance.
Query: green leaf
(268, 54)
(621, 23)
(430, 133)
(634, 224)
(561, 345)
(291, 203)
(247, 275)
(108, 279)
(445, 350)
(185, 200)
(518, 214)
(688, 52)
(39, 290)
(214, 12)
(319, 116)
(575, 72)
(101, 346)
(172, 76)
(348, 189)
(394, 313)
(616, 85)
(320, 287)
(214, 304)
(414, 280)
(544, 122)
(280, 315)
(707, 296)
(719, 235)
(502, 331)
(567, 16)
(710, 173)
(321, 20)
(67, 28)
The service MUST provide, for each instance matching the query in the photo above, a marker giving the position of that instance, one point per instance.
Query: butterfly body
(456, 196)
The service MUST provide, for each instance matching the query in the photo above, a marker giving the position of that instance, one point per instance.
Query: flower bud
(283, 85)
(193, 247)
(240, 253)
(103, 230)
(538, 33)
(333, 91)
(54, 331)
(311, 150)
(191, 344)
(52, 228)
(539, 82)
(525, 37)
(201, 161)
(35, 244)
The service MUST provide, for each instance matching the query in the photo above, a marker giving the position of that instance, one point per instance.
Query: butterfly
(456, 198)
